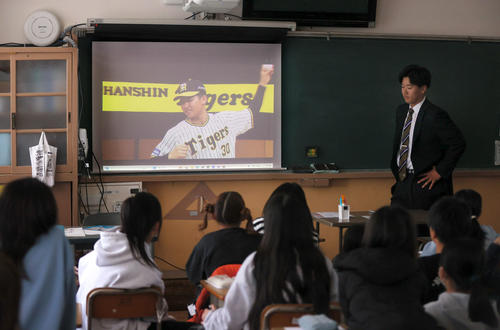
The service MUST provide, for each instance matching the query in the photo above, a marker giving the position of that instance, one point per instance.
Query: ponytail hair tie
(209, 208)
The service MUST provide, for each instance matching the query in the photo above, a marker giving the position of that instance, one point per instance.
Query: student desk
(360, 218)
(83, 243)
(84, 238)
(355, 219)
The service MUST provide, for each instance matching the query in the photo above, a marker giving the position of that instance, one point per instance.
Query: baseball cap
(189, 88)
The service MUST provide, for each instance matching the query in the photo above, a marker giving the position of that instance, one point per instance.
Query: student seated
(10, 287)
(41, 253)
(287, 268)
(380, 284)
(449, 219)
(121, 259)
(473, 199)
(228, 245)
(293, 188)
(353, 237)
(465, 304)
(492, 269)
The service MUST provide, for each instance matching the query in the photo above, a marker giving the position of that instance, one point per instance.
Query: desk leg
(317, 231)
(341, 232)
(218, 303)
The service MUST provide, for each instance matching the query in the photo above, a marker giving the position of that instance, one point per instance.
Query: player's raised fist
(179, 152)
(266, 72)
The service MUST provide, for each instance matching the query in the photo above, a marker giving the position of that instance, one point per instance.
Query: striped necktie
(404, 149)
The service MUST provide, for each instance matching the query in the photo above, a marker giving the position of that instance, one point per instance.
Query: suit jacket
(437, 141)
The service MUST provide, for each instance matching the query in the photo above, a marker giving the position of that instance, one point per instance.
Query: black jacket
(437, 141)
(430, 266)
(221, 247)
(381, 289)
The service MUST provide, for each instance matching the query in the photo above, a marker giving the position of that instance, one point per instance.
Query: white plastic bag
(43, 161)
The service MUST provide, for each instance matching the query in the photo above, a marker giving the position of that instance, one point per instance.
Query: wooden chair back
(115, 303)
(285, 315)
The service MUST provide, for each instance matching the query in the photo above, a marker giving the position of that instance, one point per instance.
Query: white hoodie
(241, 296)
(111, 264)
(451, 312)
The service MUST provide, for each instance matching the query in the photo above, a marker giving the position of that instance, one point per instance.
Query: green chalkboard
(341, 95)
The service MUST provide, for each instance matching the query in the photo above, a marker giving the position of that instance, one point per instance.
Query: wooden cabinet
(39, 92)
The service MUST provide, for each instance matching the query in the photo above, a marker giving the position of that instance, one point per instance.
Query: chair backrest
(115, 303)
(230, 270)
(285, 315)
(102, 219)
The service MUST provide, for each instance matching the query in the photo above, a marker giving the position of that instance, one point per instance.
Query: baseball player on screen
(208, 135)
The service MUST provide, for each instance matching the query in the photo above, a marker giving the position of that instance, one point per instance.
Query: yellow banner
(147, 97)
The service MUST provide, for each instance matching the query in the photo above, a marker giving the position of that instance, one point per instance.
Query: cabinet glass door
(41, 76)
(4, 112)
(41, 90)
(41, 94)
(40, 112)
(5, 151)
(4, 75)
(5, 130)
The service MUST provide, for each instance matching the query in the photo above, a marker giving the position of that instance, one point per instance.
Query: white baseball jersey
(215, 139)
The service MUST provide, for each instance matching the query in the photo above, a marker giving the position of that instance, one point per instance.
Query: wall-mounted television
(344, 13)
(186, 106)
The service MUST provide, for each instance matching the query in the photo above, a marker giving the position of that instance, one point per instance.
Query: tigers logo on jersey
(211, 140)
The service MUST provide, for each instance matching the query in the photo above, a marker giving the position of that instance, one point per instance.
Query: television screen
(180, 106)
(353, 13)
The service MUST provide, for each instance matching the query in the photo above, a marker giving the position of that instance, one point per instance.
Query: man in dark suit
(427, 145)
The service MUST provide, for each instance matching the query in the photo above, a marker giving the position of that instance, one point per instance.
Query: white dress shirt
(416, 110)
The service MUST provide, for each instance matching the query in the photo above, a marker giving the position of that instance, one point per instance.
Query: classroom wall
(178, 237)
(433, 17)
(478, 18)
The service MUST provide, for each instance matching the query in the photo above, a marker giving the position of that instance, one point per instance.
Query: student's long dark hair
(10, 287)
(229, 209)
(464, 262)
(287, 263)
(139, 214)
(391, 227)
(27, 210)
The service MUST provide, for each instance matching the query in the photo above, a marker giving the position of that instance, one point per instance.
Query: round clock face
(41, 28)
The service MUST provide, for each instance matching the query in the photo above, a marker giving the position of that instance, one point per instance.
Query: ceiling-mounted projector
(211, 6)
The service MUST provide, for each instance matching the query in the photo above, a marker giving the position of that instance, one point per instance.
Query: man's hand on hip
(429, 178)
